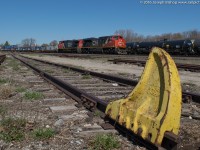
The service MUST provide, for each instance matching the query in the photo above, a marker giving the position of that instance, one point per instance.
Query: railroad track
(2, 58)
(187, 67)
(187, 96)
(76, 87)
(91, 89)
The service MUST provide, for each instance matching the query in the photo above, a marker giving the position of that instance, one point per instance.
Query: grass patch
(123, 73)
(43, 133)
(3, 111)
(97, 113)
(3, 81)
(12, 129)
(49, 71)
(105, 142)
(86, 76)
(14, 64)
(80, 67)
(20, 89)
(66, 70)
(5, 91)
(33, 95)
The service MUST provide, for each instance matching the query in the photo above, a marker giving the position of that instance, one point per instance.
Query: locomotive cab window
(115, 37)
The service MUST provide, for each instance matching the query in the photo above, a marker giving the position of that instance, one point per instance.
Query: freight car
(132, 48)
(106, 44)
(145, 47)
(11, 47)
(181, 47)
(196, 46)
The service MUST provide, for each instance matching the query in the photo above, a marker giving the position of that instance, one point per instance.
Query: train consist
(28, 48)
(114, 44)
(180, 47)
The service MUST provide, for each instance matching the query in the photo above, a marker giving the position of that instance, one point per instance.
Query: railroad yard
(99, 75)
(38, 90)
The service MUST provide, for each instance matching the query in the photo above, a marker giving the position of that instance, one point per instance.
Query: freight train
(114, 44)
(180, 47)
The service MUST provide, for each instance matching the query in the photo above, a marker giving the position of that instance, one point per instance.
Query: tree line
(128, 34)
(132, 36)
(31, 42)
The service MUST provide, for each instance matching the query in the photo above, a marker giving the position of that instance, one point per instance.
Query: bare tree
(28, 42)
(53, 43)
(177, 36)
(131, 36)
(194, 34)
(44, 45)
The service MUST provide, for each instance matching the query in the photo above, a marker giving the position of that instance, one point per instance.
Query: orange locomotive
(114, 44)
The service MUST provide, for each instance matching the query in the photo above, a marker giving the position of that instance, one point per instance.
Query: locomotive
(182, 47)
(114, 44)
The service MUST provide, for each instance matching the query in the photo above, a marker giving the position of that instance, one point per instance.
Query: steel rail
(189, 67)
(2, 58)
(80, 96)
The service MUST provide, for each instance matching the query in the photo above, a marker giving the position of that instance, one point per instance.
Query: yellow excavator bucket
(154, 105)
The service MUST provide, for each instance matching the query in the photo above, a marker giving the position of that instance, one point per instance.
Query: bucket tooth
(153, 108)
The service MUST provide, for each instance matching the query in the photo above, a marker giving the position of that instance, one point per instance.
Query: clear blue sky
(47, 20)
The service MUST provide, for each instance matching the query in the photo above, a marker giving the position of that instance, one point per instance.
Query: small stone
(79, 129)
(190, 117)
(59, 123)
(87, 125)
(47, 126)
(63, 108)
(11, 145)
(78, 142)
(115, 84)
